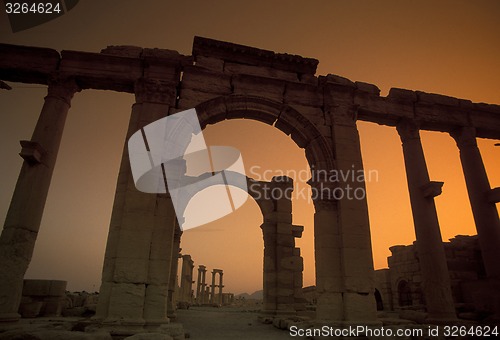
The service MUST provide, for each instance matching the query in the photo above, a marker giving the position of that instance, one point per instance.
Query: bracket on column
(494, 195)
(297, 231)
(32, 152)
(432, 189)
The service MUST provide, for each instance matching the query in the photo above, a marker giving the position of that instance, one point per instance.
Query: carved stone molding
(464, 136)
(62, 87)
(408, 130)
(324, 204)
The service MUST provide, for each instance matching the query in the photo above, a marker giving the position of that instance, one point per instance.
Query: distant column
(186, 284)
(28, 201)
(220, 287)
(212, 288)
(484, 210)
(200, 294)
(436, 280)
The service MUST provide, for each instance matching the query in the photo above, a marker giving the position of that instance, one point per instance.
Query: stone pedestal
(28, 201)
(484, 210)
(435, 280)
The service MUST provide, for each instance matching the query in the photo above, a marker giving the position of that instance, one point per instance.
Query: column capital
(408, 129)
(323, 190)
(464, 136)
(154, 91)
(324, 204)
(62, 87)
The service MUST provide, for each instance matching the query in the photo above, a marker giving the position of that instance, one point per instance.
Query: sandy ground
(227, 323)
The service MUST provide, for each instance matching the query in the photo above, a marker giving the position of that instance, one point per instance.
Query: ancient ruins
(226, 81)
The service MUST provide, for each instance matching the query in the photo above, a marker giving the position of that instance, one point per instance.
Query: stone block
(284, 228)
(402, 95)
(134, 244)
(261, 71)
(258, 86)
(285, 240)
(436, 99)
(209, 63)
(194, 97)
(131, 270)
(158, 273)
(127, 301)
(30, 309)
(198, 79)
(303, 94)
(359, 307)
(284, 204)
(338, 80)
(292, 262)
(278, 217)
(154, 302)
(367, 87)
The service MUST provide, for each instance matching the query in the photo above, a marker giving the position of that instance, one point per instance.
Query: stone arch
(304, 133)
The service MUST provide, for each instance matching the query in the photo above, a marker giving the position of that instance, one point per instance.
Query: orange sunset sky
(447, 47)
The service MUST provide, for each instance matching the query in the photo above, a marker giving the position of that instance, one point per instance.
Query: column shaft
(28, 201)
(436, 280)
(485, 212)
(136, 271)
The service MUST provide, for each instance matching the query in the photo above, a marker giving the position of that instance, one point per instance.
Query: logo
(170, 156)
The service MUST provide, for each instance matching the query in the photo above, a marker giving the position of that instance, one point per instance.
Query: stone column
(212, 288)
(200, 291)
(345, 217)
(435, 275)
(269, 275)
(327, 253)
(171, 306)
(484, 210)
(220, 287)
(28, 201)
(186, 279)
(138, 254)
(198, 285)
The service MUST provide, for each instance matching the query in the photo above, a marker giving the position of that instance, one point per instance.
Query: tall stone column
(200, 290)
(484, 210)
(270, 268)
(198, 286)
(171, 306)
(220, 287)
(436, 279)
(138, 254)
(212, 287)
(346, 212)
(28, 201)
(327, 253)
(186, 284)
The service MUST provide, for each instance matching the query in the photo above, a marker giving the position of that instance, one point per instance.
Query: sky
(446, 47)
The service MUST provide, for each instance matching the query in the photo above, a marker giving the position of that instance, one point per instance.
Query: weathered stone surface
(149, 336)
(367, 87)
